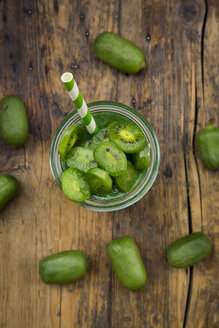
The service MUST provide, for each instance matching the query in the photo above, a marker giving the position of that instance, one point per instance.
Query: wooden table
(178, 94)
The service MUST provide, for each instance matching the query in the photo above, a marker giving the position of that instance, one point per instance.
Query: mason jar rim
(143, 187)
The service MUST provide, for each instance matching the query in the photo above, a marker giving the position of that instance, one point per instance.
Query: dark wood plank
(162, 215)
(58, 40)
(84, 304)
(26, 223)
(204, 299)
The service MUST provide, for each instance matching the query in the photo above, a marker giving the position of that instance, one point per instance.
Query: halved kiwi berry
(74, 185)
(127, 136)
(110, 124)
(111, 158)
(71, 135)
(80, 158)
(63, 165)
(101, 136)
(99, 181)
(84, 138)
(142, 159)
(126, 181)
(84, 143)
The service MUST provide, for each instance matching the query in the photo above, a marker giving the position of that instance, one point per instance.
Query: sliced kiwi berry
(99, 181)
(110, 124)
(63, 165)
(84, 138)
(127, 136)
(101, 136)
(71, 135)
(110, 158)
(80, 158)
(126, 181)
(74, 185)
(84, 144)
(142, 159)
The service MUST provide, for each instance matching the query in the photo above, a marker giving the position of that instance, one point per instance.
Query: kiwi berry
(71, 135)
(80, 158)
(142, 159)
(74, 185)
(127, 136)
(110, 158)
(99, 181)
(127, 180)
(100, 137)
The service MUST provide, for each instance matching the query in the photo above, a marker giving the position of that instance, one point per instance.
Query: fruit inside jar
(111, 151)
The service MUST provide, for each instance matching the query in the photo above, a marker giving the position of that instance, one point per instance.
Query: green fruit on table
(63, 267)
(208, 146)
(127, 263)
(8, 189)
(119, 52)
(13, 120)
(187, 251)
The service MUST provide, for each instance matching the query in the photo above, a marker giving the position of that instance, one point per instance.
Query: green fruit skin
(13, 120)
(187, 251)
(142, 159)
(8, 189)
(127, 263)
(99, 181)
(126, 181)
(70, 137)
(208, 146)
(119, 52)
(63, 267)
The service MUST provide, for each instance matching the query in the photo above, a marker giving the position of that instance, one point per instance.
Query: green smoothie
(105, 166)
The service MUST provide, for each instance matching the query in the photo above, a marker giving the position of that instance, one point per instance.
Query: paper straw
(75, 95)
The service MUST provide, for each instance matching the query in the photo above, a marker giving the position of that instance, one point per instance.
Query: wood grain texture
(205, 284)
(178, 94)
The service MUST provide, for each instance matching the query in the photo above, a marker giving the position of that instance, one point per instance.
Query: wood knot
(168, 173)
(133, 101)
(189, 12)
(56, 6)
(28, 11)
(4, 18)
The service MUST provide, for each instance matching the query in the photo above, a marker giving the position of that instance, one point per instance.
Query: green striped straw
(76, 96)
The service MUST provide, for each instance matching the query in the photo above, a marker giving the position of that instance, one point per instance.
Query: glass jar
(104, 112)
